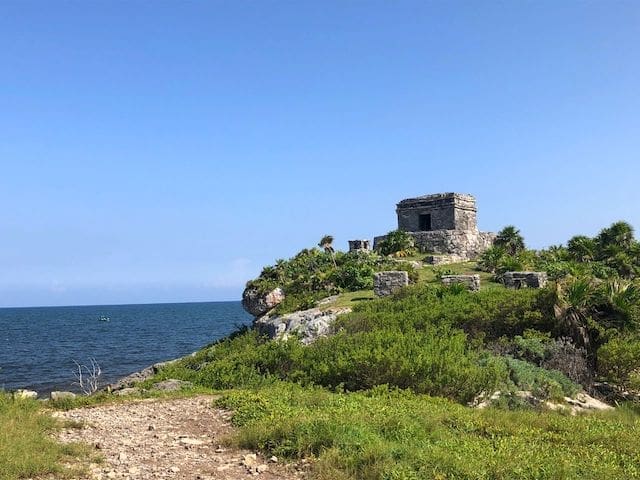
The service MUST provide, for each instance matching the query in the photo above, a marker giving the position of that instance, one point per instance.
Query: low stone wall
(472, 282)
(385, 283)
(524, 279)
(465, 244)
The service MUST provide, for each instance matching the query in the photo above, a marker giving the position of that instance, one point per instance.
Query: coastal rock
(257, 303)
(307, 325)
(127, 391)
(144, 374)
(25, 394)
(171, 385)
(55, 395)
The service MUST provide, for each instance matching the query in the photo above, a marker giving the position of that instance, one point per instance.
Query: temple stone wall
(385, 283)
(464, 244)
(448, 211)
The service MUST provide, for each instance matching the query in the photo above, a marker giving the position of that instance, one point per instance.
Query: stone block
(385, 283)
(443, 259)
(472, 282)
(359, 246)
(524, 279)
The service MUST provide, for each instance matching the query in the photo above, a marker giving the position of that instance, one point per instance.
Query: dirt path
(172, 439)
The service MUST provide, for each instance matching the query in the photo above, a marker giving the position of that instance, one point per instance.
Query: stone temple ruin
(443, 224)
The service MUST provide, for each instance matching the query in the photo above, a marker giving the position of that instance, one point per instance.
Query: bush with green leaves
(542, 383)
(396, 241)
(619, 361)
(489, 313)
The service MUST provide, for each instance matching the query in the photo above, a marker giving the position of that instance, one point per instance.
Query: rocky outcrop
(385, 283)
(258, 303)
(142, 375)
(306, 325)
(23, 394)
(581, 403)
(472, 282)
(61, 395)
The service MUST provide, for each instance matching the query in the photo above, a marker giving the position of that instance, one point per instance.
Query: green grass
(350, 299)
(427, 274)
(383, 434)
(26, 447)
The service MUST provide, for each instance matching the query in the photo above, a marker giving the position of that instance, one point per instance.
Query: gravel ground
(168, 439)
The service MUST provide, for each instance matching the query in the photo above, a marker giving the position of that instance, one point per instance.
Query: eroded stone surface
(307, 325)
(172, 439)
(385, 283)
(257, 303)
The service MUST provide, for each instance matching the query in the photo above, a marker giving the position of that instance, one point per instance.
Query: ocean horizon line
(117, 304)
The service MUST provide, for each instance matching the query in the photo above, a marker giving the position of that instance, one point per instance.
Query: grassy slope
(383, 434)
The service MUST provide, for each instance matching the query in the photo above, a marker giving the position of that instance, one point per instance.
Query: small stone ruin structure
(359, 246)
(524, 279)
(443, 224)
(472, 282)
(385, 283)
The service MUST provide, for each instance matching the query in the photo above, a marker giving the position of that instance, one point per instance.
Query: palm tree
(510, 239)
(619, 234)
(573, 308)
(582, 248)
(326, 243)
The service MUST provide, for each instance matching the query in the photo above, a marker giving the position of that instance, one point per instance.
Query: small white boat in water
(104, 319)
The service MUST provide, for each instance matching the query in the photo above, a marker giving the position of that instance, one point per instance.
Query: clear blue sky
(157, 151)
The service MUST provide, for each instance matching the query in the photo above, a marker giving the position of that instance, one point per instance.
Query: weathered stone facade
(441, 211)
(471, 281)
(525, 279)
(359, 246)
(385, 283)
(443, 223)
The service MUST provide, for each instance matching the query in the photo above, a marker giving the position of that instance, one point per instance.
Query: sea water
(39, 346)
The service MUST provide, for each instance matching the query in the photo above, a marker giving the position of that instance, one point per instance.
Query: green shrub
(394, 242)
(544, 384)
(490, 313)
(619, 361)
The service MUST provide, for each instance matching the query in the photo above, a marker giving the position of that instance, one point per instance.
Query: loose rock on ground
(172, 439)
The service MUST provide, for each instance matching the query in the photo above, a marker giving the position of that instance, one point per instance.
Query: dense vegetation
(313, 274)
